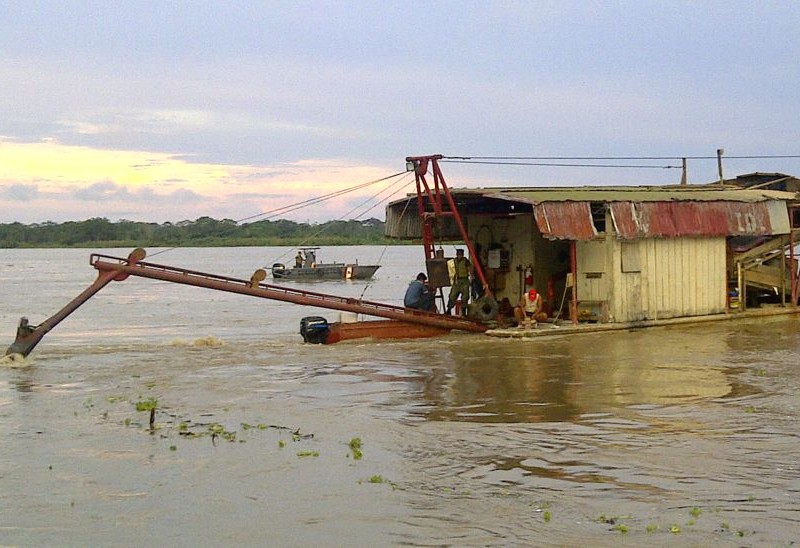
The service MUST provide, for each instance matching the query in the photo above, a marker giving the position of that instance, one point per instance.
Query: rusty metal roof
(626, 194)
(673, 219)
(565, 220)
(647, 212)
(636, 211)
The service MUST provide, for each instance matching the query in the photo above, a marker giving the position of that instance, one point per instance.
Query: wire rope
(349, 213)
(305, 203)
(317, 199)
(570, 161)
(740, 157)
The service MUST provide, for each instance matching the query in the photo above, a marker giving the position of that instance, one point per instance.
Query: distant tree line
(203, 232)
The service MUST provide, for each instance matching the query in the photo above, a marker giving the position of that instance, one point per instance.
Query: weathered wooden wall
(658, 278)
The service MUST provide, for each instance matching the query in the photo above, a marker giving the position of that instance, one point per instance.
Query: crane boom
(117, 269)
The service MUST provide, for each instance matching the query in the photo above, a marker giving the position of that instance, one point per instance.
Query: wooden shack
(624, 254)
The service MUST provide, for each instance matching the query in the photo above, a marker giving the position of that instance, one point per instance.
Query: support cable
(299, 205)
(311, 201)
(746, 157)
(570, 161)
(555, 164)
(324, 228)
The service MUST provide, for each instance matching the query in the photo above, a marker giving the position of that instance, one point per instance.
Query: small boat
(308, 269)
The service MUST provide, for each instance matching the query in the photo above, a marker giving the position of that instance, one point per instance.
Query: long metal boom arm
(116, 268)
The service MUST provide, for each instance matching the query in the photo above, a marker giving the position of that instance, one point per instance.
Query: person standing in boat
(298, 260)
(461, 286)
(311, 259)
(419, 295)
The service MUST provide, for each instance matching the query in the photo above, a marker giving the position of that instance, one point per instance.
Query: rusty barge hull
(381, 329)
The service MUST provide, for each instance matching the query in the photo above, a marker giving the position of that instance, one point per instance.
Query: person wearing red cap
(530, 308)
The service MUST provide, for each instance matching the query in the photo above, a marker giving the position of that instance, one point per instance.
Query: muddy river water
(666, 436)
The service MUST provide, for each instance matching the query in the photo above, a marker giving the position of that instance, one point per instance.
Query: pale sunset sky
(166, 111)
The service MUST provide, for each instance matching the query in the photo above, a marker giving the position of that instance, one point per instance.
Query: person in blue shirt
(419, 295)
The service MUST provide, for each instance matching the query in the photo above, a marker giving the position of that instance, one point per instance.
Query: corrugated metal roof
(673, 219)
(626, 194)
(565, 212)
(565, 220)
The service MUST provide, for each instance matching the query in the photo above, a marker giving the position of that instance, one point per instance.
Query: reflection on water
(563, 379)
(466, 440)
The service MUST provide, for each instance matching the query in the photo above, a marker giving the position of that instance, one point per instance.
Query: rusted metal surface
(117, 268)
(255, 288)
(674, 219)
(402, 222)
(435, 203)
(565, 220)
(28, 336)
(689, 193)
(381, 329)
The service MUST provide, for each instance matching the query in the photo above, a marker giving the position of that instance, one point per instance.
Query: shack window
(599, 216)
(630, 257)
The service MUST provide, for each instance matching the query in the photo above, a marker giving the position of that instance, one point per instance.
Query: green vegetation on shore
(203, 232)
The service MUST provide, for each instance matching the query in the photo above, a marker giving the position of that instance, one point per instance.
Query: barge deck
(549, 329)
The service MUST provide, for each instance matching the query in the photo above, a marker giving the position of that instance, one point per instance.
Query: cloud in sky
(76, 182)
(177, 110)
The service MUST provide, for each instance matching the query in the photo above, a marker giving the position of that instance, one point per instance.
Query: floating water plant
(611, 520)
(355, 448)
(149, 404)
(308, 453)
(695, 512)
(547, 516)
(217, 429)
(377, 478)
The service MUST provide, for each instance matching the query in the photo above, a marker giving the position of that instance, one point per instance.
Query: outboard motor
(314, 329)
(278, 270)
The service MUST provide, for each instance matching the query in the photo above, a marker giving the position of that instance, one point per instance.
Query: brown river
(681, 436)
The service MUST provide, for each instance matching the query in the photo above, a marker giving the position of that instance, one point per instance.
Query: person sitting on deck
(529, 308)
(419, 295)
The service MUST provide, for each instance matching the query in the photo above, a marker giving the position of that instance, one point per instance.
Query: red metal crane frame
(434, 202)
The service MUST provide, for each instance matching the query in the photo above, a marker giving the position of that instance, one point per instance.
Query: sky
(169, 111)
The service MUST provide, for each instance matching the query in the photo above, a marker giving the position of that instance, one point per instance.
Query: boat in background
(308, 269)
